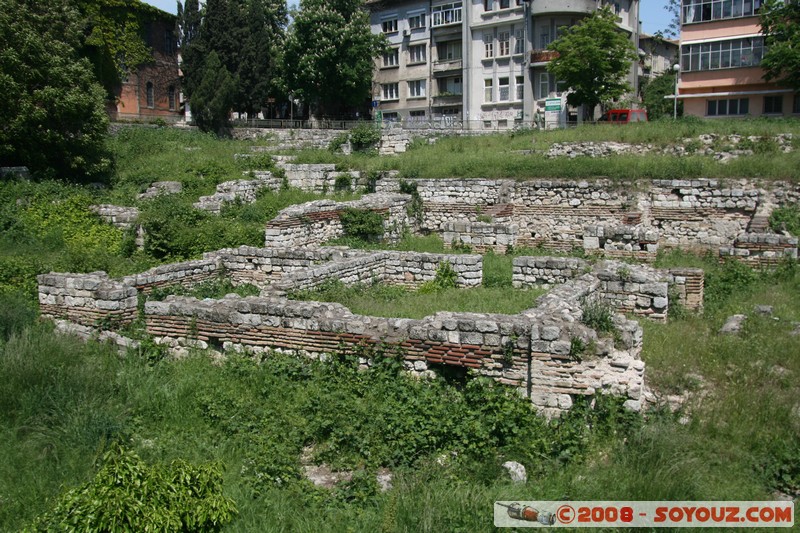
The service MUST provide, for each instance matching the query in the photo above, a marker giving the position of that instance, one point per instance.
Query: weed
(362, 223)
(598, 314)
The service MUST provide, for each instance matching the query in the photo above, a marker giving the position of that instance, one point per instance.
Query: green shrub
(343, 183)
(337, 142)
(598, 314)
(415, 208)
(445, 278)
(364, 137)
(362, 223)
(786, 218)
(128, 495)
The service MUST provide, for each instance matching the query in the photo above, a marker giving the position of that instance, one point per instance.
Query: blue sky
(652, 12)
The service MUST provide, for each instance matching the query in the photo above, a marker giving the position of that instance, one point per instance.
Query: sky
(654, 16)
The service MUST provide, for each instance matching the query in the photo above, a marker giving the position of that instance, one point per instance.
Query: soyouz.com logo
(643, 514)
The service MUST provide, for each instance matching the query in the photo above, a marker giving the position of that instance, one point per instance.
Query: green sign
(552, 104)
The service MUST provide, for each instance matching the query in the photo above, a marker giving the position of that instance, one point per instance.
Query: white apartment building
(485, 60)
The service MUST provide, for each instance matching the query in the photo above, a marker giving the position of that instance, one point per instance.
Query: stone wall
(314, 223)
(480, 236)
(634, 217)
(531, 271)
(761, 249)
(319, 178)
(634, 289)
(87, 299)
(244, 191)
(118, 216)
(186, 274)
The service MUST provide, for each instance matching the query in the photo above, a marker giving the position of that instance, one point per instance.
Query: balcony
(447, 66)
(448, 99)
(542, 56)
(570, 6)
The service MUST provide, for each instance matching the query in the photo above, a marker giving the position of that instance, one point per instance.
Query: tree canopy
(653, 96)
(330, 49)
(52, 115)
(780, 24)
(594, 58)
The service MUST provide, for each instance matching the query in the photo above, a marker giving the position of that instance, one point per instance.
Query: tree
(329, 54)
(212, 101)
(673, 7)
(594, 58)
(52, 115)
(780, 24)
(259, 58)
(653, 96)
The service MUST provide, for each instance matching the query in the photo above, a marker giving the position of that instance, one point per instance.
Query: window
(169, 43)
(544, 39)
(389, 26)
(504, 90)
(390, 91)
(773, 104)
(519, 41)
(450, 86)
(391, 58)
(487, 90)
(416, 54)
(544, 85)
(416, 88)
(417, 116)
(796, 104)
(732, 53)
(734, 106)
(488, 5)
(449, 50)
(446, 14)
(417, 21)
(705, 10)
(520, 87)
(171, 97)
(150, 94)
(488, 45)
(503, 43)
(505, 4)
(391, 116)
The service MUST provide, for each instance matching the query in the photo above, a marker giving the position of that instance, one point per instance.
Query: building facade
(478, 63)
(656, 56)
(721, 50)
(152, 90)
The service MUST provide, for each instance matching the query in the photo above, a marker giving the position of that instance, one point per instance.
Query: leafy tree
(52, 116)
(673, 7)
(594, 60)
(653, 96)
(780, 24)
(329, 54)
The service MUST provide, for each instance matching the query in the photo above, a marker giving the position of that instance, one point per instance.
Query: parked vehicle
(624, 116)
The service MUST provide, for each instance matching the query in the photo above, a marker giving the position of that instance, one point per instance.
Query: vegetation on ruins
(210, 435)
(594, 58)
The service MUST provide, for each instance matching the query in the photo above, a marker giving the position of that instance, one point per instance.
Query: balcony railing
(543, 56)
(448, 99)
(447, 65)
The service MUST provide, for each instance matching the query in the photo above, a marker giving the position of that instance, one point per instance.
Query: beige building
(721, 50)
(484, 61)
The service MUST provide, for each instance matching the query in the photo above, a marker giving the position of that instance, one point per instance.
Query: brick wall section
(761, 249)
(687, 286)
(87, 299)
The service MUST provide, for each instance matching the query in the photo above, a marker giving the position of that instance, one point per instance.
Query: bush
(362, 223)
(128, 495)
(786, 218)
(364, 137)
(445, 278)
(598, 314)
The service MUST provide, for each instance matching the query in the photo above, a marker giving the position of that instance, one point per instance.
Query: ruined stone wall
(87, 299)
(116, 215)
(314, 223)
(480, 236)
(634, 289)
(761, 249)
(186, 274)
(636, 242)
(531, 271)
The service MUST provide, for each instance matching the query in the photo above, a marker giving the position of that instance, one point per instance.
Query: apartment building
(721, 50)
(485, 59)
(657, 55)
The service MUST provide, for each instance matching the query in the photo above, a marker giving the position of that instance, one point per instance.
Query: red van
(624, 116)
